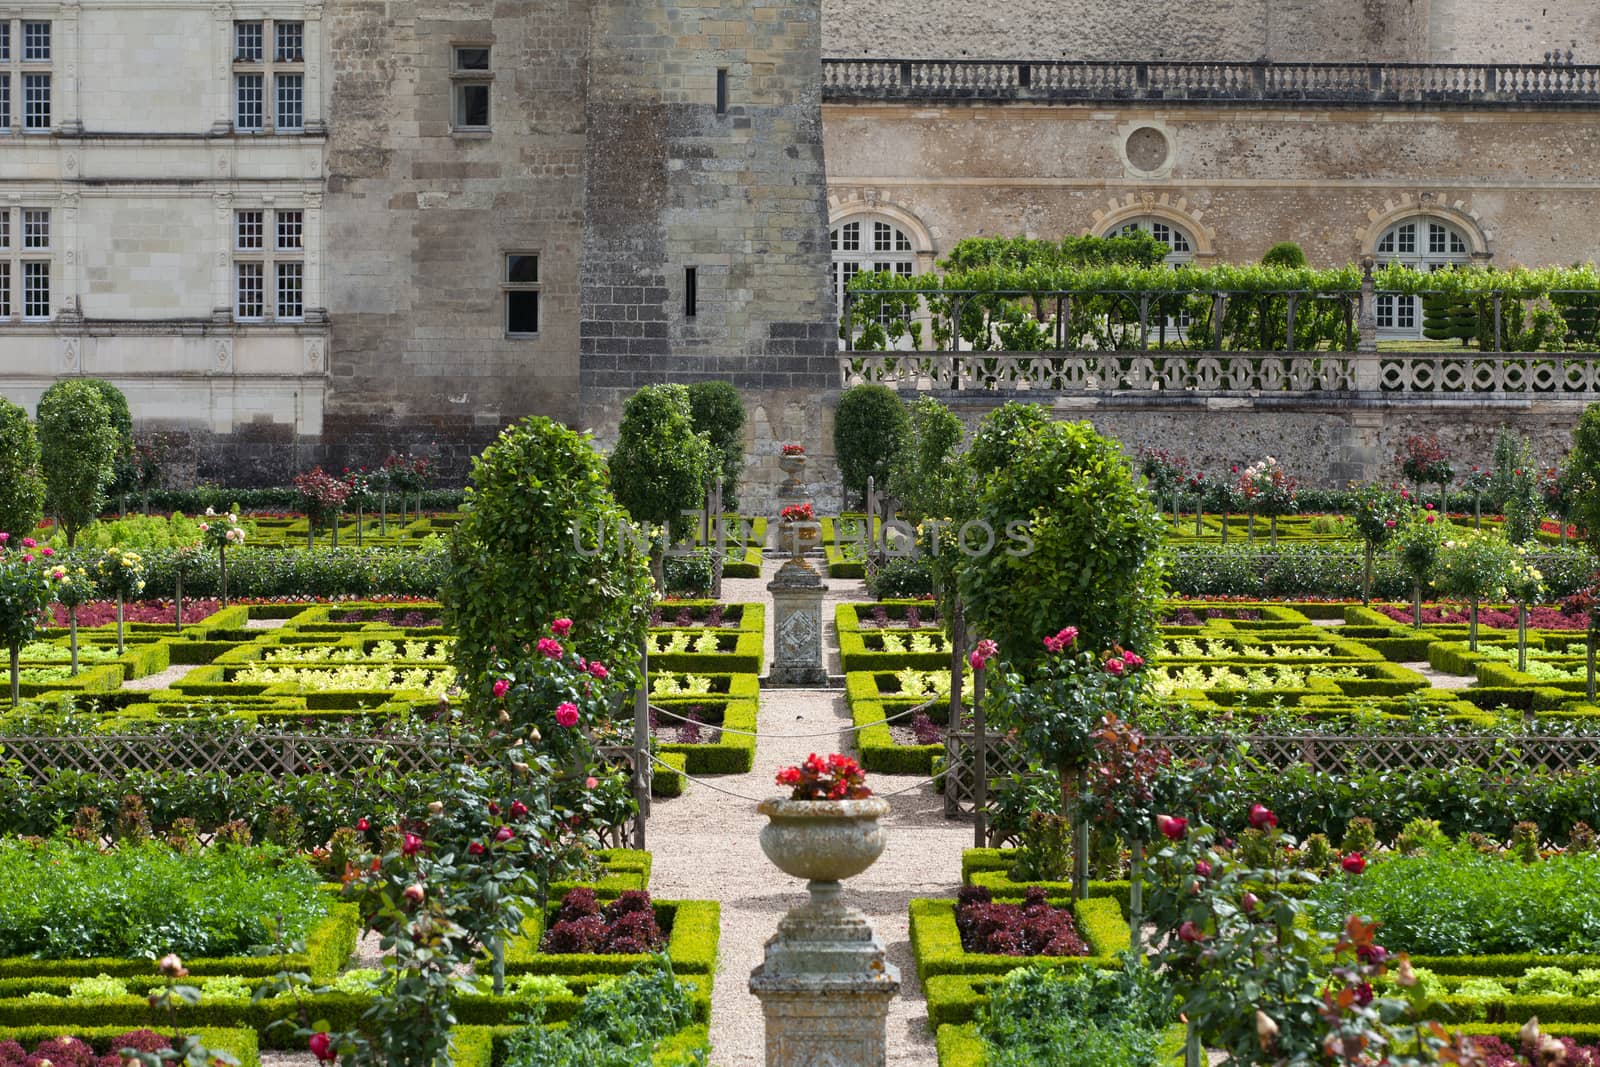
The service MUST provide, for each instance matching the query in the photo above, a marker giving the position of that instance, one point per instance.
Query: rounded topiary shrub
(1284, 254)
(869, 428)
(543, 539)
(1077, 543)
(21, 481)
(660, 465)
(717, 412)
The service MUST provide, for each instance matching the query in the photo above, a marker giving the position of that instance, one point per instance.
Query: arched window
(1165, 231)
(868, 243)
(1181, 247)
(1420, 243)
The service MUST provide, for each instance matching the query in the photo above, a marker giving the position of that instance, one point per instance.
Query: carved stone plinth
(825, 986)
(797, 617)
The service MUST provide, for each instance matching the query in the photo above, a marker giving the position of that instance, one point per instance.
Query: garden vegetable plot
(325, 664)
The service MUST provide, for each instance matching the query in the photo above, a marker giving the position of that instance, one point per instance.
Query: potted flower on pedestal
(827, 829)
(798, 527)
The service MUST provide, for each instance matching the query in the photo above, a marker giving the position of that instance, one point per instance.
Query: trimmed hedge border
(854, 655)
(328, 945)
(936, 943)
(242, 1043)
(691, 945)
(475, 1046)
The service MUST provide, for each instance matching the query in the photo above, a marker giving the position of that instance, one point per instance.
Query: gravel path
(1439, 679)
(705, 846)
(161, 679)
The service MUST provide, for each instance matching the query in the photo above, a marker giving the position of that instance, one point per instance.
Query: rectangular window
(1406, 239)
(247, 102)
(290, 42)
(1385, 312)
(290, 115)
(291, 231)
(1405, 313)
(522, 294)
(247, 290)
(690, 293)
(247, 45)
(5, 102)
(36, 290)
(850, 237)
(247, 231)
(5, 288)
(5, 228)
(36, 101)
(5, 40)
(291, 290)
(36, 42)
(35, 227)
(469, 74)
(722, 90)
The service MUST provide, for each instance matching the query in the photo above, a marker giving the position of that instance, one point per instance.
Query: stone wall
(1341, 31)
(1323, 446)
(1238, 180)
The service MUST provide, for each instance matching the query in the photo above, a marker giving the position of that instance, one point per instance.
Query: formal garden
(1164, 764)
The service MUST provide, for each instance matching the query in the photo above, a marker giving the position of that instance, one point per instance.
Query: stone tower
(705, 241)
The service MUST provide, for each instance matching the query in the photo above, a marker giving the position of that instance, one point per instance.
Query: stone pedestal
(797, 617)
(825, 986)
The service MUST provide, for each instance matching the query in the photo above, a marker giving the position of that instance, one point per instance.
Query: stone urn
(823, 840)
(793, 466)
(798, 538)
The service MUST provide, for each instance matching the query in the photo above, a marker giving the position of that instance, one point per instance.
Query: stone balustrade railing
(1469, 375)
(1557, 85)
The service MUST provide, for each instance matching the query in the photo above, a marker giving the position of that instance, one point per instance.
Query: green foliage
(1583, 474)
(139, 532)
(927, 476)
(1458, 902)
(21, 483)
(1512, 452)
(718, 412)
(78, 444)
(621, 1023)
(1475, 565)
(68, 900)
(660, 465)
(1284, 254)
(902, 576)
(870, 427)
(1082, 1018)
(1446, 317)
(26, 589)
(538, 493)
(116, 408)
(1089, 547)
(1377, 512)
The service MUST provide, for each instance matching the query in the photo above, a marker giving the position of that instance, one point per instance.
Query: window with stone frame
(471, 78)
(27, 264)
(864, 244)
(269, 82)
(1180, 246)
(520, 288)
(269, 273)
(1422, 243)
(26, 78)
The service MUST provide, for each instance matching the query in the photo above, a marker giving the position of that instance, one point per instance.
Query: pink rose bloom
(561, 627)
(4, 537)
(599, 671)
(501, 686)
(1052, 644)
(505, 833)
(28, 558)
(1114, 666)
(976, 659)
(47, 551)
(1171, 826)
(550, 647)
(1261, 817)
(590, 782)
(28, 542)
(1132, 660)
(567, 714)
(1066, 635)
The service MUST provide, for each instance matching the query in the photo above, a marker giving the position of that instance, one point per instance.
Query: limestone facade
(134, 186)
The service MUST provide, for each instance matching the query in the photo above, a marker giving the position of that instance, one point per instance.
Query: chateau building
(305, 232)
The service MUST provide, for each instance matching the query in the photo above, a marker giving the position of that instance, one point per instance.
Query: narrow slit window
(690, 292)
(722, 90)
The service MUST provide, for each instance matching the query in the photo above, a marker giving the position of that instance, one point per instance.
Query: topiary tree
(1284, 254)
(125, 466)
(1477, 566)
(27, 585)
(660, 465)
(1077, 541)
(78, 445)
(717, 412)
(542, 539)
(1583, 476)
(21, 483)
(1377, 512)
(869, 428)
